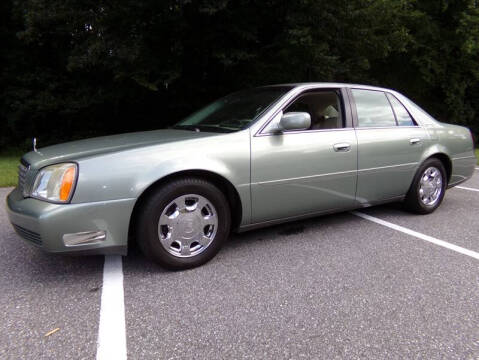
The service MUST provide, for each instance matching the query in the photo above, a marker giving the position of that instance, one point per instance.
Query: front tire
(428, 188)
(184, 223)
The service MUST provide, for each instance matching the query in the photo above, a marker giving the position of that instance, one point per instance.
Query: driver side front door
(300, 173)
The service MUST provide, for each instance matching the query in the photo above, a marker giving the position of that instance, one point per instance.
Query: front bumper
(44, 224)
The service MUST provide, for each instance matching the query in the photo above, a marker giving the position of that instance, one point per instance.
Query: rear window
(402, 115)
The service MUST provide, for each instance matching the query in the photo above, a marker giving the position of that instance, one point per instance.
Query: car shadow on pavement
(397, 210)
(34, 262)
(30, 262)
(24, 262)
(248, 242)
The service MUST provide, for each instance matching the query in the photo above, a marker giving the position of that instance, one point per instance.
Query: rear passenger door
(390, 145)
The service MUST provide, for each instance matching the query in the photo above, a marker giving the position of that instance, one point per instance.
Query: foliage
(78, 68)
(9, 169)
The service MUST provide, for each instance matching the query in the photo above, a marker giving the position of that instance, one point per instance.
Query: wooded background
(72, 69)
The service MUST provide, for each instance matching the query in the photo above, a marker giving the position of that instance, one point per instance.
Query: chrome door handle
(342, 147)
(414, 141)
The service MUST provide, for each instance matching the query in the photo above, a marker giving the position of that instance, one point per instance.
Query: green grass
(477, 156)
(9, 169)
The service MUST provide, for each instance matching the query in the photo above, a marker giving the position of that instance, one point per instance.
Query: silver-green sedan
(253, 158)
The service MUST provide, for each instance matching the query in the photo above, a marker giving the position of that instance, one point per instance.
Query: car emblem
(35, 144)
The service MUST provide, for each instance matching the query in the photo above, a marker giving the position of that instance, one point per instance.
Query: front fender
(127, 174)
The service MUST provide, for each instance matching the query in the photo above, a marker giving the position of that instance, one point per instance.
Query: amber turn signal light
(67, 184)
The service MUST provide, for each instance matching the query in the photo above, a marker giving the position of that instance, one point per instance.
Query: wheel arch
(445, 160)
(219, 181)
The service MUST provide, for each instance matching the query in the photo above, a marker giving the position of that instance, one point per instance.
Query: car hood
(106, 144)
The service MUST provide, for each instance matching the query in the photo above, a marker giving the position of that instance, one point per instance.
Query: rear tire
(184, 223)
(428, 188)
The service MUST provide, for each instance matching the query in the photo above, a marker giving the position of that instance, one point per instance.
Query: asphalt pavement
(333, 287)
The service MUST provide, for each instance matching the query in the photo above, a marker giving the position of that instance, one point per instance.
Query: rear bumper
(44, 224)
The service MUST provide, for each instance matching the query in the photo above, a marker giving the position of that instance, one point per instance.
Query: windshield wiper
(186, 127)
(214, 128)
(207, 128)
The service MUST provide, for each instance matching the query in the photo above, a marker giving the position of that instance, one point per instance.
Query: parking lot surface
(338, 286)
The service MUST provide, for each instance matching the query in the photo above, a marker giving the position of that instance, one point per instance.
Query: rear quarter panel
(452, 140)
(456, 142)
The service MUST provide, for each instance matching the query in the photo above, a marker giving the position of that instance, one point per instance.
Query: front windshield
(233, 112)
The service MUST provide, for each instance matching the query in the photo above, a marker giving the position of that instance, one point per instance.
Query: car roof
(424, 116)
(331, 84)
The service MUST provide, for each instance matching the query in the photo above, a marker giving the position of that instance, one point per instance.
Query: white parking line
(467, 188)
(419, 235)
(111, 333)
(477, 168)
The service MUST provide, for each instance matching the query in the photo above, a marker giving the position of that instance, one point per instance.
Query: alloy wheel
(187, 225)
(430, 186)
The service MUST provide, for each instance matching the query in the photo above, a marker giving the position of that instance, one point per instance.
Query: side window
(402, 116)
(324, 107)
(373, 108)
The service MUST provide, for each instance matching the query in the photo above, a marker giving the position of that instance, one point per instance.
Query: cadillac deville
(251, 159)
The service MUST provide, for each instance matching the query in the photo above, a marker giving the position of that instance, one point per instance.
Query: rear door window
(373, 108)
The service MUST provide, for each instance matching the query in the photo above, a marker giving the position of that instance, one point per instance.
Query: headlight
(55, 183)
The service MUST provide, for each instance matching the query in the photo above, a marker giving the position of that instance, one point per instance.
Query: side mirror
(295, 121)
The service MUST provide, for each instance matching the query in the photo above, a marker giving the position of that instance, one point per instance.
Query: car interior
(324, 107)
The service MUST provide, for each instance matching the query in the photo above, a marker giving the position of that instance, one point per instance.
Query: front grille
(28, 235)
(22, 175)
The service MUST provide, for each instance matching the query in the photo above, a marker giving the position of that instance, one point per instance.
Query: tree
(84, 68)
